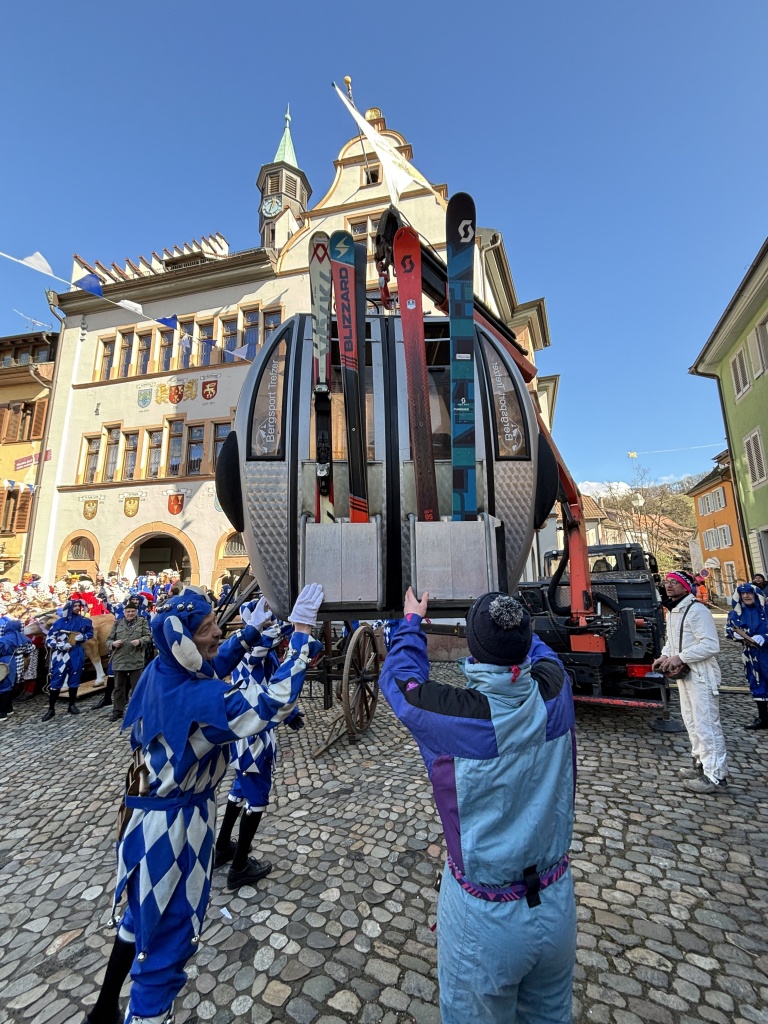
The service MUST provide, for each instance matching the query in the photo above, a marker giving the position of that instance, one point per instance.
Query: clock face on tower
(271, 206)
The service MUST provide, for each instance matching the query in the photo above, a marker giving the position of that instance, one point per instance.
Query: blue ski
(460, 228)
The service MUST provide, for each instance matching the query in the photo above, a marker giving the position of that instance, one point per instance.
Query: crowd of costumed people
(50, 633)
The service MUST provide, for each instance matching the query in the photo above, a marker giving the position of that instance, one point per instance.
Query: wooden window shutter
(755, 353)
(23, 512)
(12, 426)
(38, 420)
(3, 499)
(4, 411)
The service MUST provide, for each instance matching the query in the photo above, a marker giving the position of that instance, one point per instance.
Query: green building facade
(736, 356)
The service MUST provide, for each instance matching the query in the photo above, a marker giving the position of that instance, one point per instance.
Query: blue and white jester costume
(253, 758)
(184, 718)
(65, 641)
(12, 640)
(751, 616)
(501, 755)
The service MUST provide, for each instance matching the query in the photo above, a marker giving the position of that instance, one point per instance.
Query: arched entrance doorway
(158, 553)
(161, 548)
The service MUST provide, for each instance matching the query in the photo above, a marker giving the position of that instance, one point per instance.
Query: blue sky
(620, 147)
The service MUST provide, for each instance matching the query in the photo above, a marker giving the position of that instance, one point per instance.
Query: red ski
(407, 261)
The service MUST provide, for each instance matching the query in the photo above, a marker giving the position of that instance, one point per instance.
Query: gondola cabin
(267, 482)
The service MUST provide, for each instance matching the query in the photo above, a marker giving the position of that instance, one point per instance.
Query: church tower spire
(285, 152)
(285, 192)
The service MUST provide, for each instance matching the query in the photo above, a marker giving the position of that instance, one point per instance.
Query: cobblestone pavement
(672, 889)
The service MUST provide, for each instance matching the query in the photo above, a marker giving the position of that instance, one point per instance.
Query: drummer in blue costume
(185, 718)
(749, 615)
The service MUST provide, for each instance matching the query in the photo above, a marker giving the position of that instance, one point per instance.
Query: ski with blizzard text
(321, 290)
(460, 229)
(342, 250)
(361, 301)
(407, 262)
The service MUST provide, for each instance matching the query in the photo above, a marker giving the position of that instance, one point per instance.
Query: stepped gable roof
(208, 249)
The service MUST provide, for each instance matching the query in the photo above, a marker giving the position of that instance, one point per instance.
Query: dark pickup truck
(628, 615)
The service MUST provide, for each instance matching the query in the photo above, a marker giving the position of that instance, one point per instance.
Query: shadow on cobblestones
(672, 889)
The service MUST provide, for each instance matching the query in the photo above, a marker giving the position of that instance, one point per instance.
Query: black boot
(225, 848)
(245, 870)
(73, 709)
(761, 722)
(106, 698)
(5, 706)
(106, 1009)
(53, 696)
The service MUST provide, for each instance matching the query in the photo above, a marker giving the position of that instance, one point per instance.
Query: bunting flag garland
(38, 262)
(90, 283)
(241, 352)
(10, 485)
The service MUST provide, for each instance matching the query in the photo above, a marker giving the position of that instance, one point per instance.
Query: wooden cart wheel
(360, 682)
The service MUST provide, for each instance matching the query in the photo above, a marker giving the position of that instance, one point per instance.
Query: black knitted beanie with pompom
(499, 630)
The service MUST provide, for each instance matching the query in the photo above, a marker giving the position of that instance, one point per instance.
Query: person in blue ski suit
(12, 640)
(65, 641)
(184, 718)
(501, 756)
(253, 758)
(749, 613)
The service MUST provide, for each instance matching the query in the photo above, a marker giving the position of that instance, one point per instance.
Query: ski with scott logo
(460, 228)
(407, 261)
(342, 250)
(321, 290)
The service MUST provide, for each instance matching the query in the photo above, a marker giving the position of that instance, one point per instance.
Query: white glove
(307, 605)
(257, 614)
(758, 639)
(79, 637)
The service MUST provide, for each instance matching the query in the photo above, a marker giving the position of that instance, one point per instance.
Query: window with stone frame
(186, 339)
(175, 447)
(92, 449)
(228, 340)
(195, 449)
(145, 352)
(113, 447)
(251, 319)
(205, 344)
(126, 354)
(272, 320)
(107, 358)
(130, 453)
(166, 351)
(220, 433)
(154, 453)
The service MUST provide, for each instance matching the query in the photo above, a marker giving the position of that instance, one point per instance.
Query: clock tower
(285, 192)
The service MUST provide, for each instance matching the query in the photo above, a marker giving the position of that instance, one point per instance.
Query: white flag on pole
(398, 172)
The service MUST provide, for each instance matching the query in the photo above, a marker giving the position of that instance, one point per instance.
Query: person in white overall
(690, 657)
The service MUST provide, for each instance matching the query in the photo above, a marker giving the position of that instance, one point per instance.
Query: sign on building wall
(31, 460)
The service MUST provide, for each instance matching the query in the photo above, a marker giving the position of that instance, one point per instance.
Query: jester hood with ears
(180, 687)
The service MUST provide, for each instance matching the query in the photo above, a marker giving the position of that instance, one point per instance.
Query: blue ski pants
(506, 963)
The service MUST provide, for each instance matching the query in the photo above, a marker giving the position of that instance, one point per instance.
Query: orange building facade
(717, 521)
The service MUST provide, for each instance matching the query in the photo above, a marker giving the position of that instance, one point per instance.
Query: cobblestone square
(672, 888)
